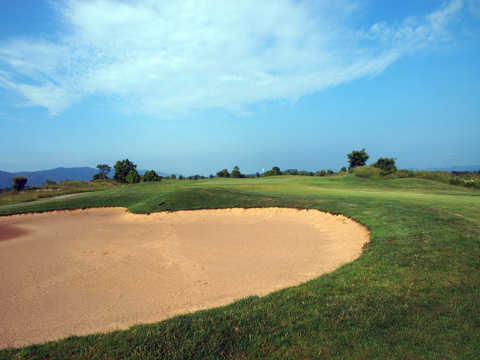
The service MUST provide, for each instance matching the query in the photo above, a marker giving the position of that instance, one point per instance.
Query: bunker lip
(78, 272)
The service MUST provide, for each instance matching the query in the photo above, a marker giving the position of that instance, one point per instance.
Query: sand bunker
(84, 271)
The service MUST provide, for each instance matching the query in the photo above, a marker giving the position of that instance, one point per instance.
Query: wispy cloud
(165, 57)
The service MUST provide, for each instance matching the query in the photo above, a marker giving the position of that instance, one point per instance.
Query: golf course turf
(413, 293)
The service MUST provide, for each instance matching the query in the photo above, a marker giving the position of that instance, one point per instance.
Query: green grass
(413, 294)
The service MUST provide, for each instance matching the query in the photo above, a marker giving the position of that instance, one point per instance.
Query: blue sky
(197, 86)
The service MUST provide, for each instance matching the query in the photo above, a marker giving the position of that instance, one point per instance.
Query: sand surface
(78, 272)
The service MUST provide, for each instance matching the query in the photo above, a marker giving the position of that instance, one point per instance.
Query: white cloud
(165, 57)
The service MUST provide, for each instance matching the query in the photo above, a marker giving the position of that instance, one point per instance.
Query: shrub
(103, 169)
(122, 169)
(387, 165)
(151, 176)
(369, 172)
(357, 158)
(330, 172)
(274, 172)
(132, 177)
(19, 183)
(321, 173)
(50, 182)
(343, 169)
(223, 173)
(173, 177)
(236, 173)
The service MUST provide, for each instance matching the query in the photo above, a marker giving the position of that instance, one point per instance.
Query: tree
(387, 165)
(173, 177)
(132, 177)
(321, 173)
(19, 183)
(275, 171)
(104, 169)
(343, 169)
(357, 158)
(223, 173)
(151, 176)
(122, 169)
(236, 172)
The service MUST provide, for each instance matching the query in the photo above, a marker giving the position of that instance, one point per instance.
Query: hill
(411, 294)
(37, 178)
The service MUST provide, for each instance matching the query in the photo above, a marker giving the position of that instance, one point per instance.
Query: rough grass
(48, 191)
(413, 294)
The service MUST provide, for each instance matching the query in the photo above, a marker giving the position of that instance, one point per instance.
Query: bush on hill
(369, 172)
(223, 173)
(122, 169)
(357, 158)
(274, 172)
(103, 169)
(387, 165)
(19, 183)
(236, 173)
(151, 176)
(132, 177)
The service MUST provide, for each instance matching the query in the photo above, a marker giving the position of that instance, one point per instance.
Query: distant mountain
(37, 178)
(458, 168)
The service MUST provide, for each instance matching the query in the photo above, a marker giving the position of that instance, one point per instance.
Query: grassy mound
(412, 294)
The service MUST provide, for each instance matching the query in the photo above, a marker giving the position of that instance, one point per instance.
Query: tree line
(125, 171)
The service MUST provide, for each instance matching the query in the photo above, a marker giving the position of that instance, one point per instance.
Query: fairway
(413, 293)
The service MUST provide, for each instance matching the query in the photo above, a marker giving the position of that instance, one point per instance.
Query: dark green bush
(122, 169)
(387, 165)
(19, 183)
(236, 173)
(151, 176)
(274, 172)
(357, 158)
(223, 173)
(132, 177)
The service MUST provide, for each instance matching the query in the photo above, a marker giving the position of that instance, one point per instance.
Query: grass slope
(413, 294)
(48, 191)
